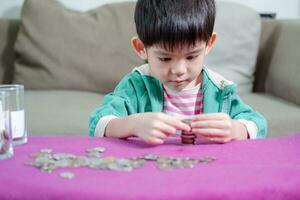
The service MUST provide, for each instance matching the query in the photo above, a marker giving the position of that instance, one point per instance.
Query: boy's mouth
(178, 81)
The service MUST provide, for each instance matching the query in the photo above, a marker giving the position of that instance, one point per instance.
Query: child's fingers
(153, 140)
(213, 139)
(210, 132)
(220, 140)
(211, 116)
(176, 123)
(159, 134)
(166, 128)
(220, 124)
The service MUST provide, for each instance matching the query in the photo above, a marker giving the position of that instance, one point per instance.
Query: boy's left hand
(218, 127)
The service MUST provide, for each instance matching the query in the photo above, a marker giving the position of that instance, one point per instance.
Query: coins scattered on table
(95, 152)
(48, 161)
(188, 137)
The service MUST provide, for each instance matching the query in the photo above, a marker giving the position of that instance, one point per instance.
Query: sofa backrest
(8, 29)
(8, 33)
(269, 35)
(278, 64)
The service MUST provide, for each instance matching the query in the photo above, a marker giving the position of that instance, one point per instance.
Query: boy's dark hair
(174, 23)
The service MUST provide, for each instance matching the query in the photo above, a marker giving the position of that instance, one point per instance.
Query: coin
(96, 149)
(151, 157)
(94, 154)
(67, 175)
(188, 137)
(46, 150)
(207, 159)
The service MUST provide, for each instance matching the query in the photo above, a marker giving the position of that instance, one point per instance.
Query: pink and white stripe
(187, 103)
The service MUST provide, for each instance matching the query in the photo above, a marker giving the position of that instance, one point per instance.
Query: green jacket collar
(212, 83)
(210, 78)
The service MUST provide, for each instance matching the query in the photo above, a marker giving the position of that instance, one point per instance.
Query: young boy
(174, 36)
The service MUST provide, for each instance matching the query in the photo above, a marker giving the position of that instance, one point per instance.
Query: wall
(284, 8)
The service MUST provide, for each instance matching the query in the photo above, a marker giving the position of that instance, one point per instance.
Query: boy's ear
(139, 48)
(211, 42)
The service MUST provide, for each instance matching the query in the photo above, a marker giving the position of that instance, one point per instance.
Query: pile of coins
(47, 161)
(170, 162)
(4, 142)
(188, 137)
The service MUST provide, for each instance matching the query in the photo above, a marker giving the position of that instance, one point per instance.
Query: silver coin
(207, 159)
(67, 175)
(46, 150)
(96, 149)
(59, 156)
(151, 157)
(96, 163)
(95, 154)
(137, 162)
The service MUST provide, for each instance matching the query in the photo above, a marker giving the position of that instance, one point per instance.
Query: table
(252, 169)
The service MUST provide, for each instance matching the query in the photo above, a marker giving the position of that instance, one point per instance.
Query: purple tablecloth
(253, 169)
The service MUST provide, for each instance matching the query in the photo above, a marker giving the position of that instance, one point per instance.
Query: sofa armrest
(278, 66)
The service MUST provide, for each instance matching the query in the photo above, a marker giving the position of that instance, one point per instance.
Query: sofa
(68, 60)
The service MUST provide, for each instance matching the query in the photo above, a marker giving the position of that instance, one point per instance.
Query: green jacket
(139, 93)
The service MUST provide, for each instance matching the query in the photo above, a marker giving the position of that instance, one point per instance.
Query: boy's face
(179, 69)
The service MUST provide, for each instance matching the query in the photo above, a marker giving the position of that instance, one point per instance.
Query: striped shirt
(185, 104)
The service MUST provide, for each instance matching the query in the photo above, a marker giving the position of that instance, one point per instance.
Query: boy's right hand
(155, 127)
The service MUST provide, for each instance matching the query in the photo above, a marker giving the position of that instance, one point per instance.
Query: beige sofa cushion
(234, 55)
(59, 48)
(283, 78)
(45, 115)
(8, 34)
(282, 116)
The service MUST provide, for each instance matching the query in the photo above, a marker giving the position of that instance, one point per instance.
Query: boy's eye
(164, 59)
(192, 57)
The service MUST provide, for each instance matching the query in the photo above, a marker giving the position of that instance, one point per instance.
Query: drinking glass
(17, 112)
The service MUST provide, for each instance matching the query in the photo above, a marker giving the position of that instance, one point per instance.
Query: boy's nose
(179, 69)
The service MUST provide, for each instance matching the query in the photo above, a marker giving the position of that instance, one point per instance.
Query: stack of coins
(187, 137)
